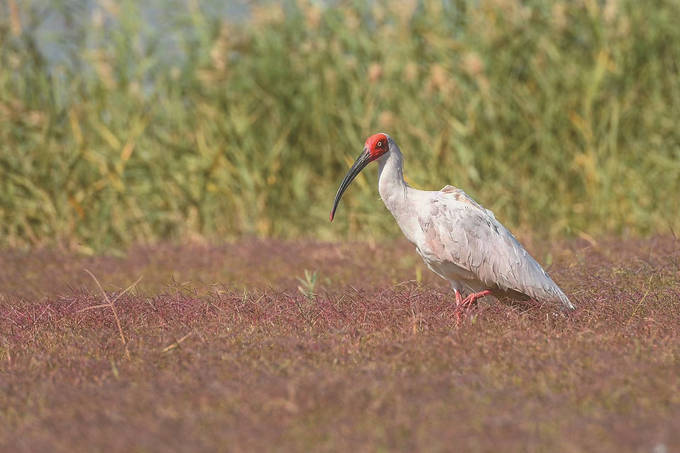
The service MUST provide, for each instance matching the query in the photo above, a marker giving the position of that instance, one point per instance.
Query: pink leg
(459, 304)
(459, 298)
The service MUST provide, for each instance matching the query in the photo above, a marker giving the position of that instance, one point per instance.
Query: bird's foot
(469, 300)
(462, 304)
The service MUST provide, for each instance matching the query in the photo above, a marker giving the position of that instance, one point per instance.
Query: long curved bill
(359, 164)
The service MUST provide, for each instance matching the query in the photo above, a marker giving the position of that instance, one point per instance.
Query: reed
(562, 117)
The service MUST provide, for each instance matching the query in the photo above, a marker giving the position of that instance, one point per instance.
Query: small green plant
(308, 284)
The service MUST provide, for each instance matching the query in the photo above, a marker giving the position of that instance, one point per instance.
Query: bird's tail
(551, 293)
(563, 299)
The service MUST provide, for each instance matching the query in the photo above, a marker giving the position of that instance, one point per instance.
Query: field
(225, 349)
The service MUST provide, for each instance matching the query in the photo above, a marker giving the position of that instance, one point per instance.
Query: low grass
(301, 346)
(171, 121)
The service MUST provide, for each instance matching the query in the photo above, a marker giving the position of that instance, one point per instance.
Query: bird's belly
(445, 269)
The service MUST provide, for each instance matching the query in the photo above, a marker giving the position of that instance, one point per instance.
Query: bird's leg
(469, 300)
(459, 298)
(459, 305)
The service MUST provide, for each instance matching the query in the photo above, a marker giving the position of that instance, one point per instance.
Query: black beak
(359, 164)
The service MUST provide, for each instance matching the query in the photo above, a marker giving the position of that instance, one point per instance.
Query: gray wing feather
(465, 234)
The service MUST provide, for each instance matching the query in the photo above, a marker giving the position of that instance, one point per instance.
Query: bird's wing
(459, 231)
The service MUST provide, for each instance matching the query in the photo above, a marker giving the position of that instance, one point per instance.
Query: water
(60, 27)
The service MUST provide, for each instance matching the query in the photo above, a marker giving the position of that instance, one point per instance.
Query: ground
(225, 349)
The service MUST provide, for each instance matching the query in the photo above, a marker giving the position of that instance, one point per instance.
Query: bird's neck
(391, 185)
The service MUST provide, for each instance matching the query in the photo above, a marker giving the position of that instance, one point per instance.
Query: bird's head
(376, 145)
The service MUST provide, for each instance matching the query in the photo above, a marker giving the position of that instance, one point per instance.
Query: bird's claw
(474, 296)
(461, 303)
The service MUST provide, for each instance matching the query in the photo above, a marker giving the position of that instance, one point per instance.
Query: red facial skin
(377, 145)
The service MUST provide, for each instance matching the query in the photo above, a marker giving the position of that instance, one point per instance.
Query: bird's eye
(380, 144)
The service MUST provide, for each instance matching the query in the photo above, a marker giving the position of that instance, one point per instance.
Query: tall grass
(562, 117)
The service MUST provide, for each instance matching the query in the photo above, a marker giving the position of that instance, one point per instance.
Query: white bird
(457, 238)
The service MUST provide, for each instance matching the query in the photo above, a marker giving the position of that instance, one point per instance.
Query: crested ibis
(458, 239)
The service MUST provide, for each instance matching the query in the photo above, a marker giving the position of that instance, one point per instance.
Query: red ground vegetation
(225, 353)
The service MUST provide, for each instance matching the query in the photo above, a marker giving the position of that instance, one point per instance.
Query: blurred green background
(180, 121)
